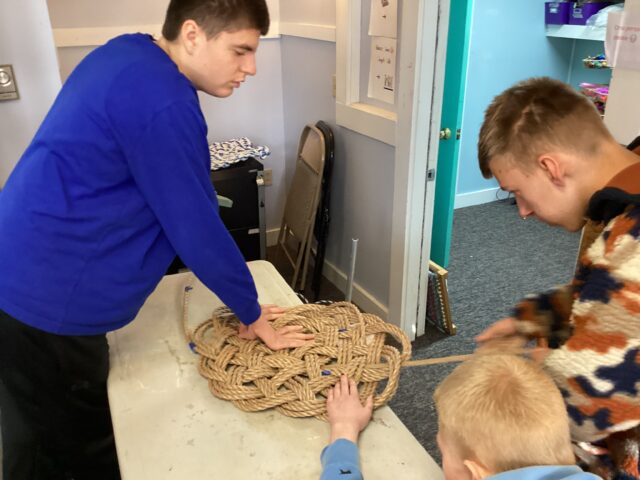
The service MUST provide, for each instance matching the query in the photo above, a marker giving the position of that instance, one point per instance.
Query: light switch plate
(8, 86)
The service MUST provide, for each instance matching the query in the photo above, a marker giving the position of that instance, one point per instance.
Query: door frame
(425, 25)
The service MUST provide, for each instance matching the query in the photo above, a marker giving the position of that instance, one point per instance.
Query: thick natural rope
(296, 381)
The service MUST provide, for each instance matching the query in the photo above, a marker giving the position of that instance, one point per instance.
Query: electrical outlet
(268, 177)
(8, 86)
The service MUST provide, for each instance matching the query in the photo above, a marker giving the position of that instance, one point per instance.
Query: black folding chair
(323, 218)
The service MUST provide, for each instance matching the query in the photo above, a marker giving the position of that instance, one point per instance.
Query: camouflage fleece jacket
(593, 324)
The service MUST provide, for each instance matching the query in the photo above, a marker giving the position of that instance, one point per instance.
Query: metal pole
(352, 268)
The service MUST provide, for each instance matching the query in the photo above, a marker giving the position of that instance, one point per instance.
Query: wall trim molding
(476, 198)
(326, 33)
(368, 120)
(94, 36)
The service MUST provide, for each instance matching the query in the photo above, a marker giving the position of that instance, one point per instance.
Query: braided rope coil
(296, 381)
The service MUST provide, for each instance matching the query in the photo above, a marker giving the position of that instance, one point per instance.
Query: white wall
(26, 42)
(254, 111)
(92, 13)
(318, 12)
(362, 206)
(362, 184)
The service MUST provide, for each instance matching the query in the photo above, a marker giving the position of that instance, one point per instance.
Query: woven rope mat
(296, 381)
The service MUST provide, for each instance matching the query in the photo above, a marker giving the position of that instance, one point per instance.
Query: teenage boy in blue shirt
(114, 184)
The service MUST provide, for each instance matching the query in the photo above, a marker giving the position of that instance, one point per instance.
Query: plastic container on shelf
(598, 61)
(599, 20)
(597, 92)
(557, 13)
(580, 12)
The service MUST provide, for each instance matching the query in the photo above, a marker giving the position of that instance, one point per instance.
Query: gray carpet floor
(496, 259)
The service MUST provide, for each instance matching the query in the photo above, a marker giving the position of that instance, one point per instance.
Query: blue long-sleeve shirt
(115, 182)
(341, 461)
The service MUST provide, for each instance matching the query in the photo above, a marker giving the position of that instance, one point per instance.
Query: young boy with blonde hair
(547, 144)
(500, 417)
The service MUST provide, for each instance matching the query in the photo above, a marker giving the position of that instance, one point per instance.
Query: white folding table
(168, 425)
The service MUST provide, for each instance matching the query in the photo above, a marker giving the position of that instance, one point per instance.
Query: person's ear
(477, 470)
(553, 167)
(190, 34)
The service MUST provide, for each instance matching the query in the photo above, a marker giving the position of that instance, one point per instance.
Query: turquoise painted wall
(508, 44)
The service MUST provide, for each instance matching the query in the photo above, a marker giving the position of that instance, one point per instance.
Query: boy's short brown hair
(215, 16)
(504, 412)
(534, 115)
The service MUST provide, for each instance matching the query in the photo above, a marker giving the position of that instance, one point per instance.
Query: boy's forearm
(345, 431)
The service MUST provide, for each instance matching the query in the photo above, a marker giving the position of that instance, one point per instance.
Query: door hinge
(431, 175)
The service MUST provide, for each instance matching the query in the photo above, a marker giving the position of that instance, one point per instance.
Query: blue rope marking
(192, 346)
(326, 373)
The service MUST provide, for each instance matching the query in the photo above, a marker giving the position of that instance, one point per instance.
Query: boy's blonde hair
(537, 114)
(504, 412)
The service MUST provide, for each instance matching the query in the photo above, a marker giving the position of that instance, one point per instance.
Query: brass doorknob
(445, 134)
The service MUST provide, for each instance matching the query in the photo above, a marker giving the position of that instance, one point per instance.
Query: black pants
(54, 408)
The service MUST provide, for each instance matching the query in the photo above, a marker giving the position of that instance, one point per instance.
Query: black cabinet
(242, 183)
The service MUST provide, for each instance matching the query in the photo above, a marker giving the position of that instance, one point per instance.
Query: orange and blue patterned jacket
(593, 324)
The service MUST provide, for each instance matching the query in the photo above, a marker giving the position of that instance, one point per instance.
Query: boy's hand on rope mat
(347, 416)
(286, 337)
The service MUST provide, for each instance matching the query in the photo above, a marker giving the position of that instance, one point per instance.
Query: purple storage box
(580, 13)
(557, 13)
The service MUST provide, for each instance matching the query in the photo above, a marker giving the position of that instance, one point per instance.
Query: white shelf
(580, 32)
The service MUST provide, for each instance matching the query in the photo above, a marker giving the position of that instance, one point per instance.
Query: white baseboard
(360, 297)
(476, 198)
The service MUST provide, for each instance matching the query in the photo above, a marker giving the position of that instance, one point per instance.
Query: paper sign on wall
(622, 45)
(384, 18)
(382, 72)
